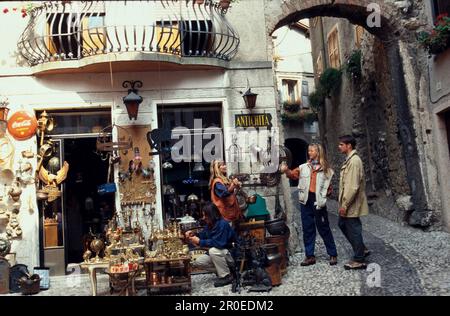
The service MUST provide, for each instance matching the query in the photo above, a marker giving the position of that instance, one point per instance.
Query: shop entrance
(87, 213)
(69, 221)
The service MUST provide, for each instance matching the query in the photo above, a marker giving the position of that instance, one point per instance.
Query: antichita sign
(253, 120)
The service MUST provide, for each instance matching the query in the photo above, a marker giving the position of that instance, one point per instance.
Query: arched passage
(391, 34)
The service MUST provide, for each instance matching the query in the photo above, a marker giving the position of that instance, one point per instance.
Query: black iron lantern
(250, 99)
(132, 100)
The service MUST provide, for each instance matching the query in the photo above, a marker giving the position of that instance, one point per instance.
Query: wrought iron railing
(71, 30)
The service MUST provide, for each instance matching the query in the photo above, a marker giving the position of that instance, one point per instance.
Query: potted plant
(304, 115)
(438, 39)
(291, 107)
(225, 4)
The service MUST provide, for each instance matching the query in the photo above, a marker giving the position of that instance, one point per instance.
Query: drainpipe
(325, 66)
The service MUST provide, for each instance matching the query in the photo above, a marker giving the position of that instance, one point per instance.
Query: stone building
(73, 59)
(295, 81)
(77, 60)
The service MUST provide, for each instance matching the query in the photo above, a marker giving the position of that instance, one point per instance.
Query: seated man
(218, 236)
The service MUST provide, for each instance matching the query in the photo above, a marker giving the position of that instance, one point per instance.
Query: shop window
(333, 49)
(359, 32)
(319, 65)
(290, 90)
(80, 122)
(305, 94)
(440, 7)
(185, 178)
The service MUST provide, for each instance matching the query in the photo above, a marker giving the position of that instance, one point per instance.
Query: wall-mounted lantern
(4, 102)
(132, 100)
(250, 99)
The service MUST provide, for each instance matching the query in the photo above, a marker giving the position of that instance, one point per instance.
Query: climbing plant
(353, 66)
(331, 80)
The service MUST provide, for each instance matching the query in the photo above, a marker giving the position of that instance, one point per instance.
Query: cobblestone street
(412, 262)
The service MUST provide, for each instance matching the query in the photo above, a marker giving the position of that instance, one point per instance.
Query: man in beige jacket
(352, 201)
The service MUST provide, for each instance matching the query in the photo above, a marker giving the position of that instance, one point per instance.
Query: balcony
(87, 36)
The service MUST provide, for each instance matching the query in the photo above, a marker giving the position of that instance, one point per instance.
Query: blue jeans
(352, 230)
(312, 219)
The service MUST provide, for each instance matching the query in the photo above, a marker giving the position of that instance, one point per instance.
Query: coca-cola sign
(22, 125)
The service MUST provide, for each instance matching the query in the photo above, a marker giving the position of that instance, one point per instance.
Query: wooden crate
(255, 228)
(50, 235)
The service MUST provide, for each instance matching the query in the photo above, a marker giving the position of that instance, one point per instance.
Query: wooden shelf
(162, 265)
(150, 260)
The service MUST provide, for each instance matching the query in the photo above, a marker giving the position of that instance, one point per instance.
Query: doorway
(87, 213)
(69, 221)
(299, 150)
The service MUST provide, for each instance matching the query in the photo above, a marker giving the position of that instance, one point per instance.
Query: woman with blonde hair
(313, 188)
(223, 193)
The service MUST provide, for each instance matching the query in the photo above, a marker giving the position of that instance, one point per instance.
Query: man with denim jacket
(352, 201)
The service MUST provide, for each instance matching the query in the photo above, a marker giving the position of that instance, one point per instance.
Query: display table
(124, 281)
(92, 268)
(165, 275)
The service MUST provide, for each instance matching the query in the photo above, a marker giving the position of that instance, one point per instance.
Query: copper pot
(42, 195)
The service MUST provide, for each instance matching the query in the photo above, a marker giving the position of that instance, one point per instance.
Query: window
(63, 34)
(290, 93)
(359, 32)
(310, 128)
(168, 37)
(305, 94)
(319, 65)
(333, 48)
(197, 39)
(440, 7)
(93, 36)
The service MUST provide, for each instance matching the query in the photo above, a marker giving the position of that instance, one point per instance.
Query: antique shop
(88, 125)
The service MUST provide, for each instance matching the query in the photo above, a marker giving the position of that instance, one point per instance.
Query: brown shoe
(353, 265)
(333, 261)
(308, 261)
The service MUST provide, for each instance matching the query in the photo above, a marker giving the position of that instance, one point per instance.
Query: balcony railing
(72, 30)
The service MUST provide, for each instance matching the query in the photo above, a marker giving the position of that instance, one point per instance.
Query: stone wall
(396, 131)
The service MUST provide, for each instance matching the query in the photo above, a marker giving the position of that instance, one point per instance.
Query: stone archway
(284, 12)
(394, 34)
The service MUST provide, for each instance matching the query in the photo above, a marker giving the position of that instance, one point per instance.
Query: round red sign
(22, 125)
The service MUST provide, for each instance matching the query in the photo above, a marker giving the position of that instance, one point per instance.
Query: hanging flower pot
(199, 2)
(438, 40)
(225, 4)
